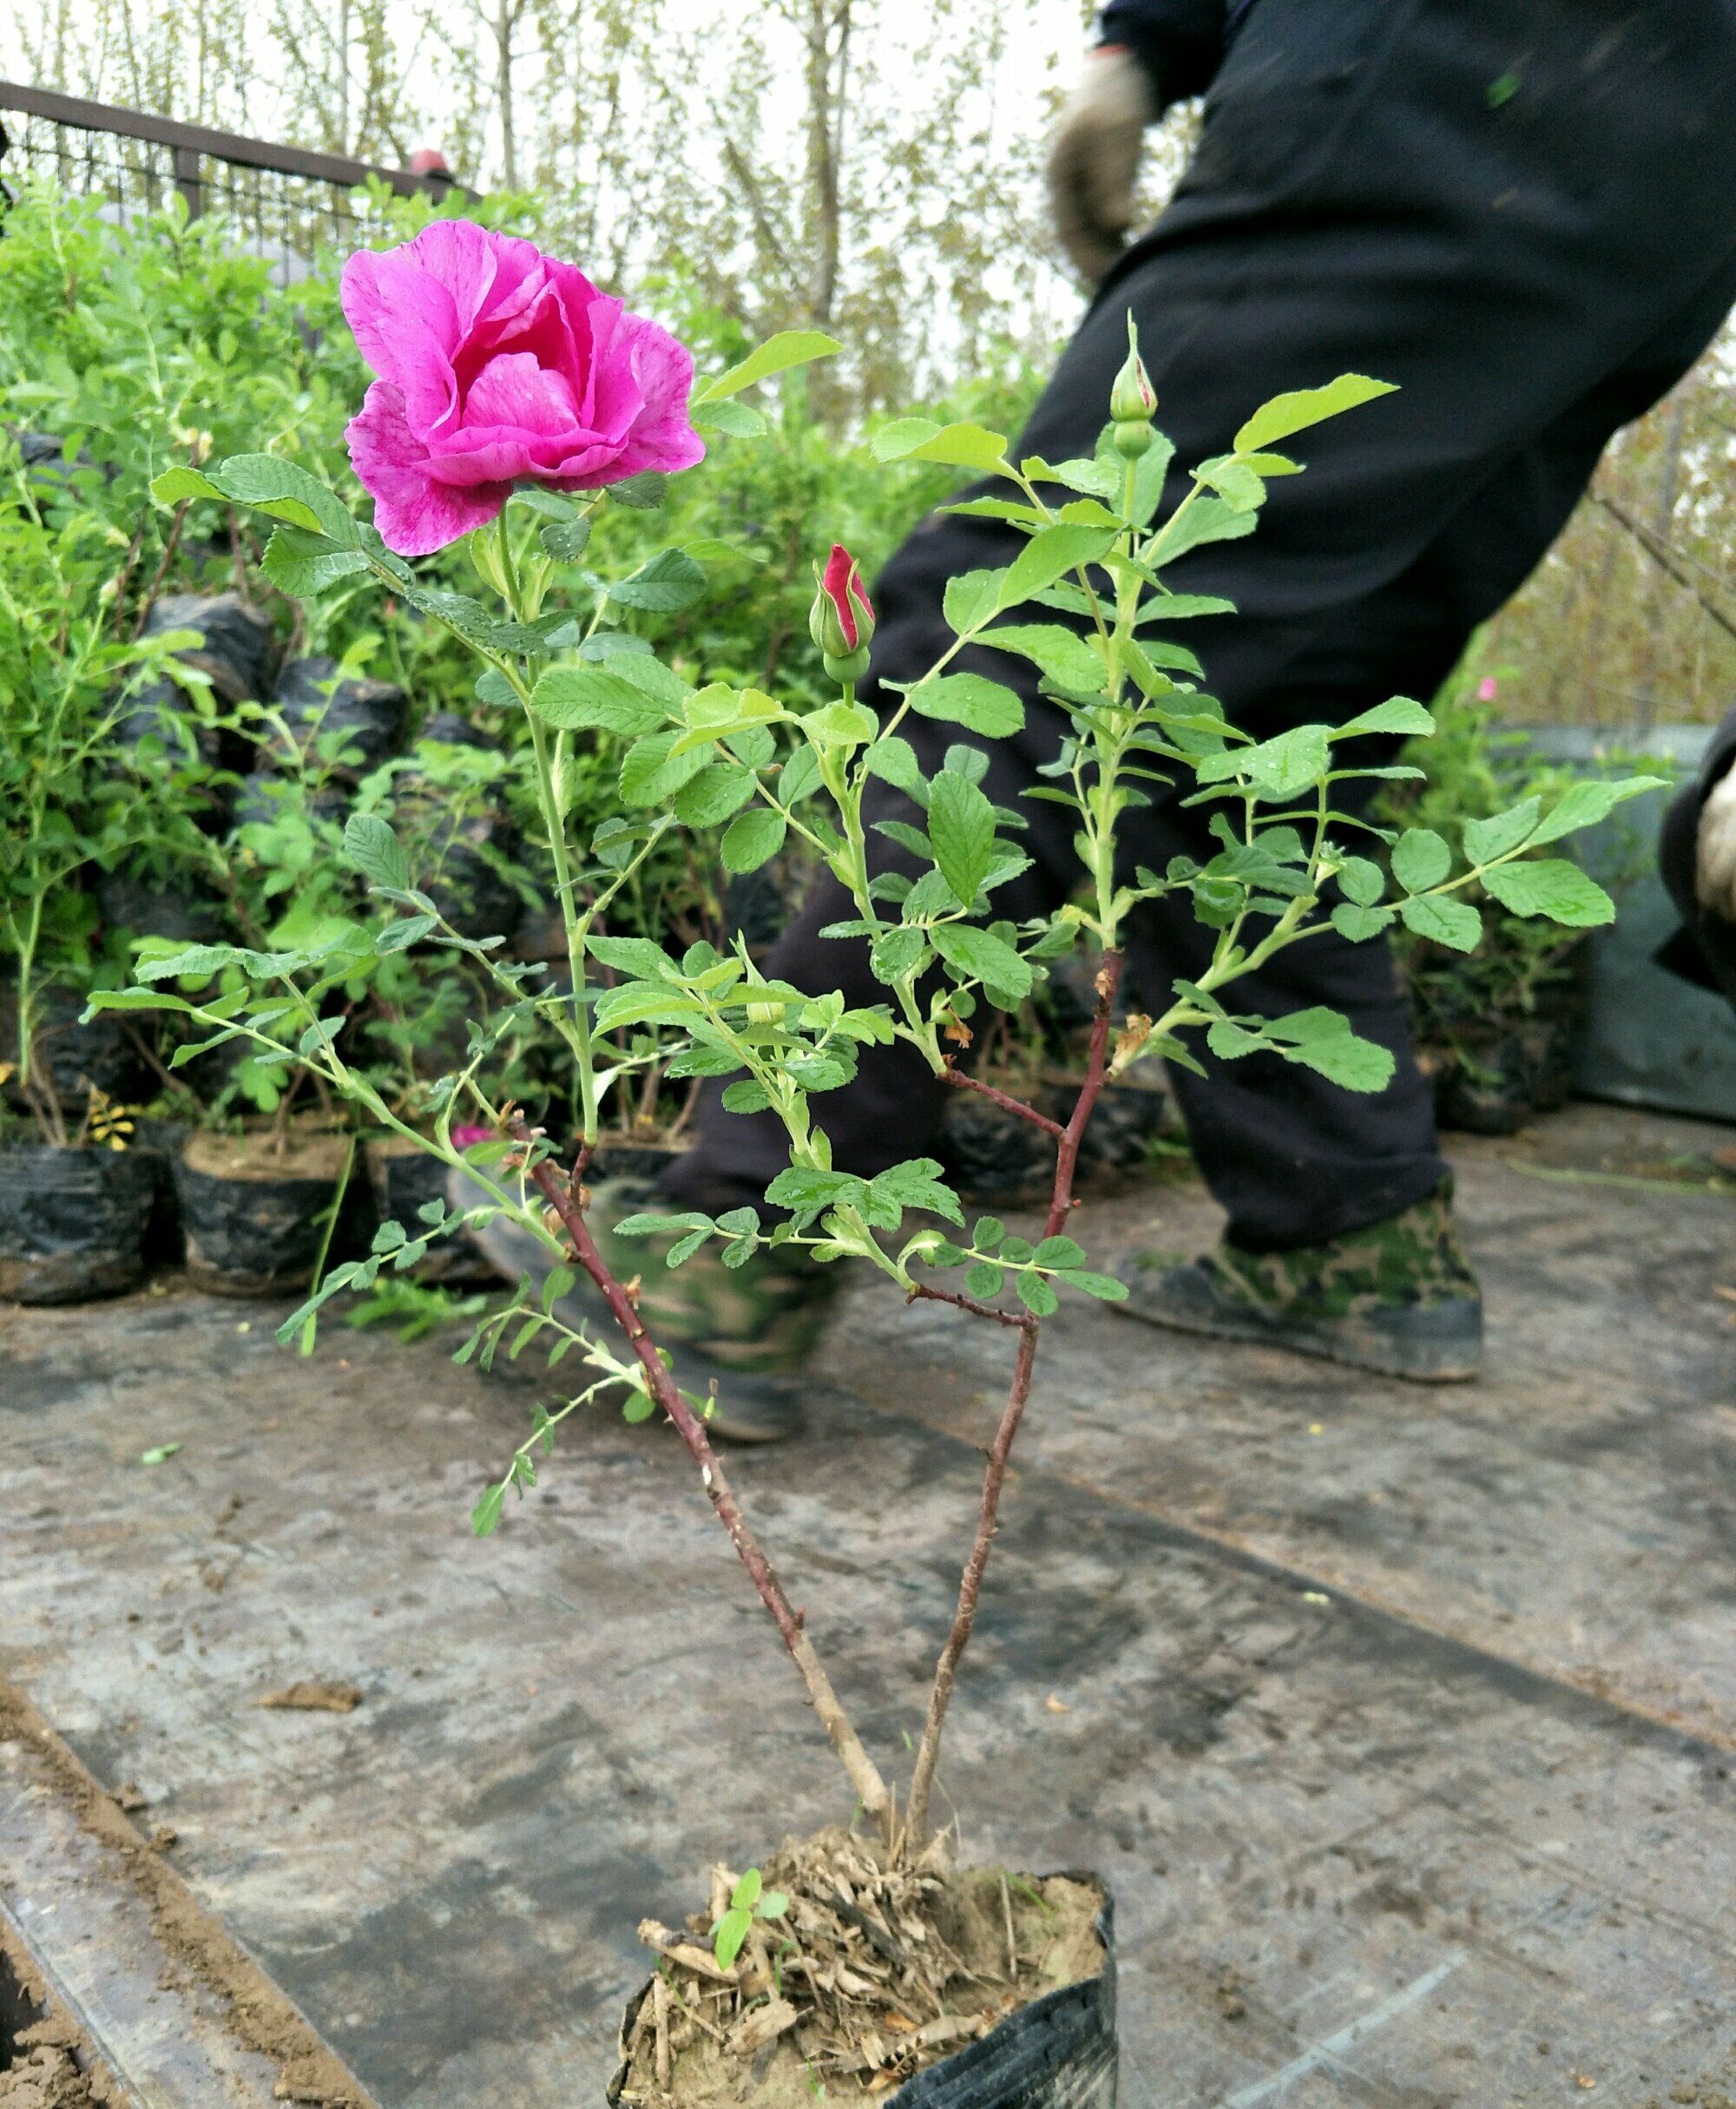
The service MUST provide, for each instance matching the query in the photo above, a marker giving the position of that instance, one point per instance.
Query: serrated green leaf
(1300, 408)
(651, 773)
(752, 838)
(961, 827)
(1064, 656)
(669, 581)
(376, 853)
(1035, 1294)
(1453, 923)
(1552, 887)
(1358, 922)
(1104, 1287)
(1420, 859)
(955, 446)
(778, 354)
(982, 957)
(1586, 803)
(1050, 555)
(740, 420)
(972, 700)
(1485, 840)
(592, 697)
(1397, 714)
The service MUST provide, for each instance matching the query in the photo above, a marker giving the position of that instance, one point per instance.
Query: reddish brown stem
(161, 572)
(562, 1196)
(969, 1304)
(1002, 1099)
(1059, 1205)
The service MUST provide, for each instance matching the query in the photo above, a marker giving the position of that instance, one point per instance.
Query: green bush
(126, 351)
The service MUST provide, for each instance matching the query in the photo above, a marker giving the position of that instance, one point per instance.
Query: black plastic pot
(105, 1052)
(469, 893)
(1059, 2053)
(260, 798)
(237, 641)
(149, 911)
(73, 1222)
(370, 715)
(253, 1222)
(452, 731)
(1494, 1073)
(158, 720)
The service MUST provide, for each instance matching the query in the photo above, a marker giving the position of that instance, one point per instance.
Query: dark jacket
(1181, 42)
(1704, 949)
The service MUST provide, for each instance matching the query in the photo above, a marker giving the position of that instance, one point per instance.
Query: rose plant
(513, 402)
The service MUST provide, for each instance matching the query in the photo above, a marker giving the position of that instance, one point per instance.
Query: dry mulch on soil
(874, 1969)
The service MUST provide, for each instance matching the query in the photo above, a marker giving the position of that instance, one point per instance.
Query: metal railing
(287, 202)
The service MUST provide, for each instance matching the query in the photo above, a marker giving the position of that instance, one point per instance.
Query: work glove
(1094, 157)
(1715, 861)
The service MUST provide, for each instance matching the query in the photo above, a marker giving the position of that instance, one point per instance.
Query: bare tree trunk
(825, 119)
(1669, 473)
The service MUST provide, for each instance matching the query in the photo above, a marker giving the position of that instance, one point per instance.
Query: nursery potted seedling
(75, 1200)
(857, 1961)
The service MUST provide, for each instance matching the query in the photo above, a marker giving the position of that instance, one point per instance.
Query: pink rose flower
(498, 366)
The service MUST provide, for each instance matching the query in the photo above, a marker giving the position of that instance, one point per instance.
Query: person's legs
(1532, 273)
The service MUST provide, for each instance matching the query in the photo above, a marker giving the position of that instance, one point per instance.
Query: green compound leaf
(1398, 714)
(972, 700)
(1104, 1287)
(1453, 923)
(1485, 840)
(777, 355)
(1299, 408)
(1036, 1295)
(1587, 804)
(961, 826)
(375, 852)
(1553, 887)
(979, 956)
(1420, 859)
(671, 580)
(957, 446)
(753, 838)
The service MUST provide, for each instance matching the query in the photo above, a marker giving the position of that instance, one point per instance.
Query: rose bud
(842, 619)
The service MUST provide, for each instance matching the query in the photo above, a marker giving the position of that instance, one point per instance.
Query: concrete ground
(1401, 1722)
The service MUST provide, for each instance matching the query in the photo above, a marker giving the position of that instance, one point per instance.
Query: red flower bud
(842, 621)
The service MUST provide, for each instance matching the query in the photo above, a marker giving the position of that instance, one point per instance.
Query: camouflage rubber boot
(1398, 1297)
(747, 1330)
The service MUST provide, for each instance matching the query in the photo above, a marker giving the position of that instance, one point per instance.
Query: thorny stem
(968, 1302)
(562, 1196)
(1059, 1205)
(1008, 1104)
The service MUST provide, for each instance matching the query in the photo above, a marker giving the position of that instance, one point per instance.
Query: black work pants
(1524, 211)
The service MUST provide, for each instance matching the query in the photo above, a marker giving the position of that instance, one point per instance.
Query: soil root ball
(880, 1978)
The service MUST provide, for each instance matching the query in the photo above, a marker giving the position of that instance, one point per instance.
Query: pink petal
(414, 514)
(662, 435)
(514, 392)
(407, 327)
